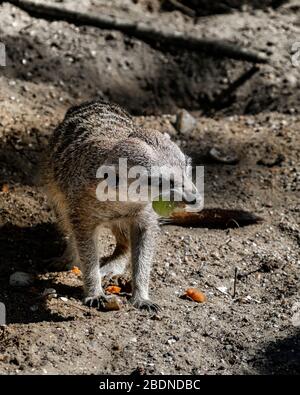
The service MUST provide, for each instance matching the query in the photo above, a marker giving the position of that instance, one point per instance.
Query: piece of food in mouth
(166, 208)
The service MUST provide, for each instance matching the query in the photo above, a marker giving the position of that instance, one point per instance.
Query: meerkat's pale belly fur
(92, 134)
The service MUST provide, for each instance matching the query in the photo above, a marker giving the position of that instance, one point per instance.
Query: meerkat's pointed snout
(194, 201)
(196, 204)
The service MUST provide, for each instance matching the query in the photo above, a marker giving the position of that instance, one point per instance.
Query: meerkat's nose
(193, 201)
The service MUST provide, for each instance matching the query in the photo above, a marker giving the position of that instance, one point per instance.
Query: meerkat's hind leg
(116, 263)
(69, 258)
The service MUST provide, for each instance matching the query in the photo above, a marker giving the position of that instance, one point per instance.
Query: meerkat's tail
(213, 218)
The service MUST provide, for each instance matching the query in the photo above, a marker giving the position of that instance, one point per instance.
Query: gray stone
(20, 279)
(185, 122)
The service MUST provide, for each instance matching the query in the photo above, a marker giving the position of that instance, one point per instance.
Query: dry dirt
(51, 65)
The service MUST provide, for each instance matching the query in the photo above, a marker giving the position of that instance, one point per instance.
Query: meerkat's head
(154, 162)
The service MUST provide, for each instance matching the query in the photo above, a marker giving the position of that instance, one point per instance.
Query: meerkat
(93, 134)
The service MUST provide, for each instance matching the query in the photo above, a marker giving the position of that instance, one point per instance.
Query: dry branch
(142, 31)
(181, 7)
(225, 96)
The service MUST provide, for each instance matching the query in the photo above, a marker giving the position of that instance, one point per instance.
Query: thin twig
(221, 100)
(181, 7)
(235, 282)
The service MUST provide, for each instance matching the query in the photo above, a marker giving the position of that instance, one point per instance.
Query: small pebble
(222, 289)
(49, 293)
(185, 122)
(112, 304)
(20, 279)
(64, 299)
(221, 157)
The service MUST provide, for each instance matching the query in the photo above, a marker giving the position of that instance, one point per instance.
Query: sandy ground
(51, 65)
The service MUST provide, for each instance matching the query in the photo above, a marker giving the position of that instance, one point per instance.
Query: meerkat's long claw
(151, 307)
(97, 301)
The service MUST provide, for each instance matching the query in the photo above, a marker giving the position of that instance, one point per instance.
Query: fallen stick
(181, 7)
(142, 31)
(235, 282)
(221, 100)
(197, 9)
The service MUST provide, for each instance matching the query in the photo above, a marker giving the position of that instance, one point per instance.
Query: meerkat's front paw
(100, 301)
(145, 304)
